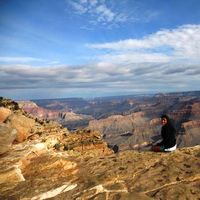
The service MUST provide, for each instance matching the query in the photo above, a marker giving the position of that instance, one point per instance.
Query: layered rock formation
(113, 116)
(183, 108)
(53, 163)
(42, 113)
(191, 134)
(65, 117)
(130, 131)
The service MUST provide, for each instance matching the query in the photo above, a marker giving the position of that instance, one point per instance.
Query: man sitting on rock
(168, 133)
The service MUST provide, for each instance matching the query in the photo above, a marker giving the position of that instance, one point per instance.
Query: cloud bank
(136, 77)
(180, 43)
(168, 60)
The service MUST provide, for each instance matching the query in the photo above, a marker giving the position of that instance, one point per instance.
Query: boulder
(7, 136)
(22, 124)
(4, 114)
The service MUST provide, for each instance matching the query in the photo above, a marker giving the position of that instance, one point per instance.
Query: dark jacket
(168, 134)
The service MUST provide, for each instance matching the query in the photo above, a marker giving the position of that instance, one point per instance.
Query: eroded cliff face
(52, 163)
(129, 122)
(128, 132)
(139, 129)
(65, 117)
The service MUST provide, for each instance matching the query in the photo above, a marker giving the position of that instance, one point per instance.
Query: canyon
(65, 116)
(41, 159)
(130, 122)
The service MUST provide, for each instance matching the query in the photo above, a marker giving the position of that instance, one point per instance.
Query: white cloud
(102, 78)
(101, 75)
(181, 43)
(104, 13)
(99, 12)
(135, 57)
(78, 7)
(109, 14)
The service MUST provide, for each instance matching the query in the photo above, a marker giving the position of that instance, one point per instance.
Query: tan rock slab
(11, 175)
(7, 136)
(4, 114)
(22, 124)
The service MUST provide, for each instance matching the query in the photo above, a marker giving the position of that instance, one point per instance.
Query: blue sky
(88, 48)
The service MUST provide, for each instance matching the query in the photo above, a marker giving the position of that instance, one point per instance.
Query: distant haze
(92, 48)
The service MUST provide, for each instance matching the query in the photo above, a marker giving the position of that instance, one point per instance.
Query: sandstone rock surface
(128, 175)
(4, 114)
(7, 136)
(22, 124)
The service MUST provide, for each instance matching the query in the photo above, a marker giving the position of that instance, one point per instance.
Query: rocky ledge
(52, 163)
